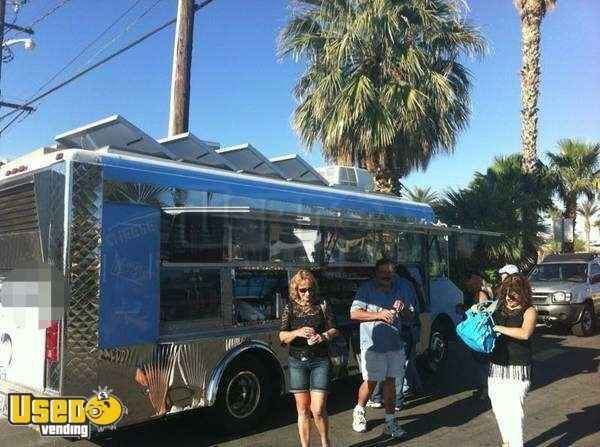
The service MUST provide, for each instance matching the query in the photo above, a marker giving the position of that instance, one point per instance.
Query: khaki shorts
(378, 366)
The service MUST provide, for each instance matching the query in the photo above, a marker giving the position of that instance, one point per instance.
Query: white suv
(566, 291)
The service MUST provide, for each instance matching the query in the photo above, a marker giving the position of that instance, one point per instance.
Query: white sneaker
(393, 429)
(359, 422)
(372, 404)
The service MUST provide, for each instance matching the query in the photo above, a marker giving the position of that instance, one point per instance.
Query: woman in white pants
(510, 362)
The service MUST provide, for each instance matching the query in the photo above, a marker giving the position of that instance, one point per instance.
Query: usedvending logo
(69, 417)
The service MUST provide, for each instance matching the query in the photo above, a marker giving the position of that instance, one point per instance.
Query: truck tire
(438, 347)
(243, 396)
(587, 322)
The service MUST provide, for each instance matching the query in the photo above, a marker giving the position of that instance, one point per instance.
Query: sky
(242, 91)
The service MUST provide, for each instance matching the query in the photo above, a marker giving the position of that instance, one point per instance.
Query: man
(507, 270)
(376, 306)
(410, 336)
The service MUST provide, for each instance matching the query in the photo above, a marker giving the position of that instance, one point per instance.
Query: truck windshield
(572, 272)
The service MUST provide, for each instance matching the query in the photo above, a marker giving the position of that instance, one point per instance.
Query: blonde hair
(302, 275)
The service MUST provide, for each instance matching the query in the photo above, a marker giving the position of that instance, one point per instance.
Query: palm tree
(587, 210)
(423, 195)
(384, 88)
(575, 168)
(494, 201)
(531, 13)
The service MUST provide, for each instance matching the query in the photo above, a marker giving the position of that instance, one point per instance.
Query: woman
(307, 324)
(510, 362)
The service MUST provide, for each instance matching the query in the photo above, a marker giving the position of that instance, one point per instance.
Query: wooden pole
(182, 61)
(2, 14)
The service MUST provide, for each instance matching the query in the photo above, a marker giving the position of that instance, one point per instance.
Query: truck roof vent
(348, 177)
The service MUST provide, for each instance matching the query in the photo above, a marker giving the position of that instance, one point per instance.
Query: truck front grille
(540, 297)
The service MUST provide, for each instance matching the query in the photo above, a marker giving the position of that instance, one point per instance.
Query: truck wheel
(243, 396)
(438, 348)
(586, 324)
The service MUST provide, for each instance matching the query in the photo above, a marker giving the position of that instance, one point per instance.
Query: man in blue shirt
(377, 305)
(409, 335)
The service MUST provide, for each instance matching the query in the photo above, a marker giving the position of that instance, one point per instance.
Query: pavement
(562, 408)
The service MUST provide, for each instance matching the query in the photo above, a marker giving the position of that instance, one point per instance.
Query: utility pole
(2, 14)
(179, 110)
(18, 28)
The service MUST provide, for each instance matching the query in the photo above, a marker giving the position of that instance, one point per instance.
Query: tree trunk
(587, 230)
(570, 213)
(386, 181)
(531, 13)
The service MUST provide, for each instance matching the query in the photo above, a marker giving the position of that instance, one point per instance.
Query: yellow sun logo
(104, 409)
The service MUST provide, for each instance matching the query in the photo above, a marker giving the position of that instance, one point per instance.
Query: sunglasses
(304, 290)
(512, 297)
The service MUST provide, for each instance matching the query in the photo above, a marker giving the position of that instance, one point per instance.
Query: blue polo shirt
(376, 335)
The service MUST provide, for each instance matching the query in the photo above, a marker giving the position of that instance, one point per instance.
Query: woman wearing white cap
(507, 270)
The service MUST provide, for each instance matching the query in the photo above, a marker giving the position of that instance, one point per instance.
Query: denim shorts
(309, 375)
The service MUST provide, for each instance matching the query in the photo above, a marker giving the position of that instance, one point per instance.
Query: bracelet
(325, 335)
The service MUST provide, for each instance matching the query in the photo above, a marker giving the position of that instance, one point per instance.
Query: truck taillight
(52, 342)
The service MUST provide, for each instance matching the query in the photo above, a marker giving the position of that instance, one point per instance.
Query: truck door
(594, 278)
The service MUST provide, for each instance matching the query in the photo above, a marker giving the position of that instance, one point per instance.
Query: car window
(594, 271)
(572, 272)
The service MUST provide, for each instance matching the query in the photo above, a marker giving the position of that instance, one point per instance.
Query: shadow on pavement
(577, 426)
(553, 361)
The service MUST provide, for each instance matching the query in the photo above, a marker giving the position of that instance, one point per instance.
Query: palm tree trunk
(531, 19)
(385, 181)
(531, 13)
(570, 213)
(587, 230)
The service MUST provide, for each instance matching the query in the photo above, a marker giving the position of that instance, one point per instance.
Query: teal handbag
(476, 331)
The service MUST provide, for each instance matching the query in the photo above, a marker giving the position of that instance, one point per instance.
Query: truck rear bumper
(553, 314)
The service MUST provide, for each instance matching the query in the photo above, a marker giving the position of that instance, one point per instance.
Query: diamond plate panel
(81, 350)
(56, 237)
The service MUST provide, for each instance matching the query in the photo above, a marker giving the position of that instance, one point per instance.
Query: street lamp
(28, 43)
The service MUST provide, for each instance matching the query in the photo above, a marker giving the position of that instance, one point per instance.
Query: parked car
(566, 291)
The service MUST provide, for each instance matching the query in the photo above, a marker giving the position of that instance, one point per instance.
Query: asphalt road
(563, 409)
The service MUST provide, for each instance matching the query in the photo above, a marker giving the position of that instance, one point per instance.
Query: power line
(96, 65)
(21, 112)
(87, 47)
(49, 13)
(126, 30)
(68, 64)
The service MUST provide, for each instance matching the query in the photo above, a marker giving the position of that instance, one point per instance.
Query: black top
(509, 350)
(295, 316)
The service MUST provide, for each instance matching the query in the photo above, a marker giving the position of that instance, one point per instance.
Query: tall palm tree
(575, 168)
(531, 13)
(423, 195)
(384, 88)
(587, 210)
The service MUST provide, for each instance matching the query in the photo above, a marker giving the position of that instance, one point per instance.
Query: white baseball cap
(509, 269)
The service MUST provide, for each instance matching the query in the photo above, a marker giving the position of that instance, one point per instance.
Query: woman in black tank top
(510, 362)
